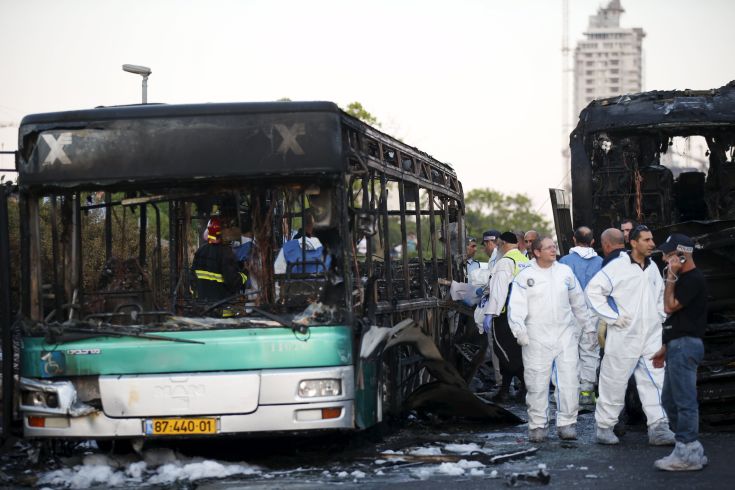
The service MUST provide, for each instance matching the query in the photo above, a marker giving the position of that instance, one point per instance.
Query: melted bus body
(114, 202)
(634, 156)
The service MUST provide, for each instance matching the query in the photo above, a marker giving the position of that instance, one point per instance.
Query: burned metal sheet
(112, 145)
(618, 172)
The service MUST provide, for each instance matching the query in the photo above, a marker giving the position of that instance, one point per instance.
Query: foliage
(487, 208)
(356, 109)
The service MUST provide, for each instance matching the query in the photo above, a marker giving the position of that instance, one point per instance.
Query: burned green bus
(115, 201)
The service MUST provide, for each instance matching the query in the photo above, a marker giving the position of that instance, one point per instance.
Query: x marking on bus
(289, 138)
(56, 148)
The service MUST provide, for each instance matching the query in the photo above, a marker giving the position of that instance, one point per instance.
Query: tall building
(608, 62)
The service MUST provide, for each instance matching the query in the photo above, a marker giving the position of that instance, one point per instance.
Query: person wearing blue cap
(685, 301)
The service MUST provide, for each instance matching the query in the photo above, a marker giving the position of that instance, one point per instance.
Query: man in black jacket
(215, 267)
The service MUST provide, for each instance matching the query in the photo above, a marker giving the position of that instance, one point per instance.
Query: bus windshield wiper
(271, 316)
(57, 335)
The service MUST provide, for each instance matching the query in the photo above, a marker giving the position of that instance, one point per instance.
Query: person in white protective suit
(585, 263)
(547, 313)
(633, 336)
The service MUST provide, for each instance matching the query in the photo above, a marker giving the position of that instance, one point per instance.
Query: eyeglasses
(549, 247)
(637, 231)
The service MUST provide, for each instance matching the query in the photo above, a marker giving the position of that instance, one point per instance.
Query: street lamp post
(143, 71)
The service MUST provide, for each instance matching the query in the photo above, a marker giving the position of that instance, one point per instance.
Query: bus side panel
(219, 350)
(366, 393)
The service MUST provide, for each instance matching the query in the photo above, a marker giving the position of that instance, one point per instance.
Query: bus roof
(145, 144)
(671, 111)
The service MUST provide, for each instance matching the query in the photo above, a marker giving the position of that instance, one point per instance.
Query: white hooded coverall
(548, 305)
(638, 295)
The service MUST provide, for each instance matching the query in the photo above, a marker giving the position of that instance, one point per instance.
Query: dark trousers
(506, 347)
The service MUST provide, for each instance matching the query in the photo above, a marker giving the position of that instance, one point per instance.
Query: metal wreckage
(116, 344)
(617, 150)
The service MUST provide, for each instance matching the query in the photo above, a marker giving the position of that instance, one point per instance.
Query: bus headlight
(310, 388)
(34, 398)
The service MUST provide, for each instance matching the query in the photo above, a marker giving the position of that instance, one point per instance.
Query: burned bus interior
(667, 159)
(114, 202)
(114, 227)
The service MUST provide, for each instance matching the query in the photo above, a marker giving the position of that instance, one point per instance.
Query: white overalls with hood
(547, 305)
(585, 263)
(633, 336)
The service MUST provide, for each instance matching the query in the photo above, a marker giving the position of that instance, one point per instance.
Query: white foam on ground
(452, 469)
(157, 467)
(426, 451)
(462, 448)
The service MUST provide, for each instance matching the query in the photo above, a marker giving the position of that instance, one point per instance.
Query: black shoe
(502, 396)
(521, 391)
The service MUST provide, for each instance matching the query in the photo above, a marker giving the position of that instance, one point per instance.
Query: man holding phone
(685, 301)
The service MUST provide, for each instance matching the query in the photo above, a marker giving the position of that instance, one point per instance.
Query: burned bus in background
(623, 165)
(117, 344)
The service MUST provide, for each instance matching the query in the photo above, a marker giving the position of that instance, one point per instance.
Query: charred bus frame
(617, 173)
(378, 184)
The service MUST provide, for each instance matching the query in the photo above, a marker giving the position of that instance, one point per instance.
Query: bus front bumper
(223, 402)
(267, 418)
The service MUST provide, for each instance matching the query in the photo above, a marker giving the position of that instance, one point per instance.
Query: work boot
(684, 457)
(587, 397)
(538, 435)
(520, 391)
(606, 436)
(567, 432)
(659, 434)
(502, 396)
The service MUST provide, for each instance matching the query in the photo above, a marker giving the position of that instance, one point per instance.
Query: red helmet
(214, 230)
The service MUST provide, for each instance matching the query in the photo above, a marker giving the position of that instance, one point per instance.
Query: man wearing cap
(685, 301)
(505, 346)
(633, 336)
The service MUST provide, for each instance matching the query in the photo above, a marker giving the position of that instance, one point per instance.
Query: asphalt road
(430, 449)
(580, 464)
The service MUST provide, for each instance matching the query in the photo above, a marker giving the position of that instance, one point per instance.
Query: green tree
(488, 208)
(356, 109)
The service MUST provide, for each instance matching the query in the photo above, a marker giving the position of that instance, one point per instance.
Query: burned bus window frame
(271, 160)
(617, 174)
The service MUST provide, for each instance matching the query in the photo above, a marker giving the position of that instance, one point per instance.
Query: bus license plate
(182, 426)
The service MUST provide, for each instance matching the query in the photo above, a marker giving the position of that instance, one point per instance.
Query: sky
(475, 83)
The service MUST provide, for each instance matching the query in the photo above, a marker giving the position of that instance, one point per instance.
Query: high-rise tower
(609, 61)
